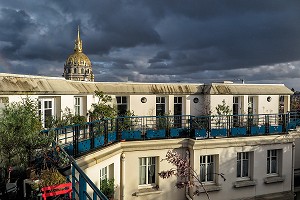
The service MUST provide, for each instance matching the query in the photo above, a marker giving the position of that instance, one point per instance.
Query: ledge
(245, 183)
(273, 179)
(210, 188)
(147, 191)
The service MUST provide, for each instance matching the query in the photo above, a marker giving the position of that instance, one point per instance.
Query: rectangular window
(250, 105)
(243, 165)
(178, 112)
(78, 105)
(103, 173)
(207, 168)
(147, 171)
(272, 161)
(121, 105)
(160, 106)
(46, 110)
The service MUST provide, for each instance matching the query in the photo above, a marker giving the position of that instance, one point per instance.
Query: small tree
(222, 110)
(102, 109)
(20, 135)
(188, 177)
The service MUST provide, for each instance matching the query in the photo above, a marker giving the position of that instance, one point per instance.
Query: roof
(27, 84)
(250, 89)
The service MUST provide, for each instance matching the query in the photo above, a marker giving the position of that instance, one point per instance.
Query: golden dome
(78, 66)
(78, 59)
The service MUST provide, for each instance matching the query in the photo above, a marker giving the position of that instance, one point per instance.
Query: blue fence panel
(257, 130)
(112, 137)
(275, 129)
(238, 131)
(84, 146)
(178, 132)
(222, 132)
(152, 134)
(199, 133)
(99, 141)
(131, 135)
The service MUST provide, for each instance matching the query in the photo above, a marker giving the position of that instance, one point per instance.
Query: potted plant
(107, 187)
(61, 161)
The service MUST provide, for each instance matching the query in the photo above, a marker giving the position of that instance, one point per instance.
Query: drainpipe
(187, 195)
(293, 175)
(122, 177)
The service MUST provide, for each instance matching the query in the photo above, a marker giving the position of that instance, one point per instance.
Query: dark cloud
(155, 41)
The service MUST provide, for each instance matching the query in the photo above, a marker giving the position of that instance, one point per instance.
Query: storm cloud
(156, 41)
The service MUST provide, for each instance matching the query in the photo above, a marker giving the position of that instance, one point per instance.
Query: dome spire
(78, 42)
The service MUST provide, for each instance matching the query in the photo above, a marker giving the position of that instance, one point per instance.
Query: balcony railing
(78, 139)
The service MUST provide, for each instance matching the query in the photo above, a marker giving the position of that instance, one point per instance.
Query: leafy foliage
(107, 187)
(66, 119)
(187, 176)
(20, 128)
(102, 109)
(223, 109)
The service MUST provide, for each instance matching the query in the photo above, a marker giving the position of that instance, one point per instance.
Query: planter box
(151, 134)
(199, 133)
(131, 135)
(112, 137)
(258, 130)
(275, 129)
(99, 141)
(178, 132)
(218, 132)
(238, 131)
(84, 146)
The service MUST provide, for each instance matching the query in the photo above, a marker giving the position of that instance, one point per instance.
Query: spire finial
(78, 34)
(78, 42)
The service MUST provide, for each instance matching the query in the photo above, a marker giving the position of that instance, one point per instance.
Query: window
(121, 105)
(250, 105)
(103, 174)
(78, 105)
(160, 106)
(46, 110)
(243, 165)
(178, 112)
(207, 168)
(147, 171)
(272, 162)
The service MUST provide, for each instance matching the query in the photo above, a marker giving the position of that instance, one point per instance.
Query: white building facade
(260, 166)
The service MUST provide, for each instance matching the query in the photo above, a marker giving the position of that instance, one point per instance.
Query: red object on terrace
(54, 190)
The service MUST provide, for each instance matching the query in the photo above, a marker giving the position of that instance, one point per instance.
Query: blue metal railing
(78, 140)
(81, 182)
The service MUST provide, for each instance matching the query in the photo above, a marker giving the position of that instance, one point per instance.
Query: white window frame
(103, 174)
(43, 108)
(122, 102)
(148, 167)
(160, 102)
(78, 106)
(242, 158)
(208, 162)
(273, 155)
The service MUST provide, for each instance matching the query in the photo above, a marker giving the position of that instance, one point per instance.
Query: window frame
(147, 183)
(204, 162)
(159, 102)
(240, 160)
(78, 108)
(122, 103)
(269, 162)
(42, 108)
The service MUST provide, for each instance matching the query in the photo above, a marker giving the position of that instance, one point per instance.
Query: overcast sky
(155, 40)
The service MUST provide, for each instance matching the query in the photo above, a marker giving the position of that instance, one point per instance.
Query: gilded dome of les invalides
(78, 66)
